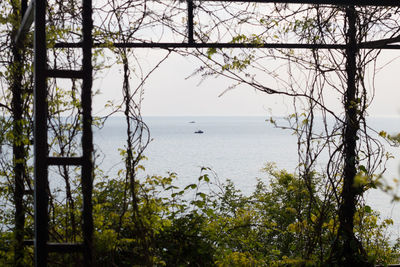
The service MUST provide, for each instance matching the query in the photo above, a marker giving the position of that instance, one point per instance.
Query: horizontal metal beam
(29, 242)
(26, 23)
(319, 2)
(64, 247)
(58, 247)
(29, 192)
(64, 161)
(28, 18)
(369, 45)
(190, 21)
(29, 14)
(66, 74)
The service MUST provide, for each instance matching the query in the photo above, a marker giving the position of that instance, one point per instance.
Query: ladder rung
(68, 74)
(28, 192)
(64, 247)
(28, 242)
(59, 247)
(64, 161)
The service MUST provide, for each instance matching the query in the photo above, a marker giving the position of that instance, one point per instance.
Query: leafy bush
(283, 222)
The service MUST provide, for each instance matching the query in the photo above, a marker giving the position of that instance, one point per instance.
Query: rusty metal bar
(40, 136)
(66, 74)
(318, 2)
(87, 134)
(59, 247)
(371, 45)
(29, 242)
(64, 247)
(190, 21)
(29, 192)
(65, 161)
(24, 7)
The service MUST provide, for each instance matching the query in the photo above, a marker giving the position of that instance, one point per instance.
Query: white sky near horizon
(169, 93)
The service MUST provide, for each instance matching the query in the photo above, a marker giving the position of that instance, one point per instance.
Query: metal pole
(367, 45)
(87, 135)
(24, 6)
(318, 2)
(40, 136)
(190, 21)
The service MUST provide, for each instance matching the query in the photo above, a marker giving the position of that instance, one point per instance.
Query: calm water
(235, 148)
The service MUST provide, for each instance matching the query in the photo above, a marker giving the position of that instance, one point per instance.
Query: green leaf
(362, 168)
(367, 209)
(211, 51)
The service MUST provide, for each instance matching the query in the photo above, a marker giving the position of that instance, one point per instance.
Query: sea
(234, 148)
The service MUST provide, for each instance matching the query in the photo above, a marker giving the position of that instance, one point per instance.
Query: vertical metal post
(40, 136)
(87, 135)
(24, 6)
(190, 21)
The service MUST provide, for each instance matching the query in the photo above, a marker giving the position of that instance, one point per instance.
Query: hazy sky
(168, 93)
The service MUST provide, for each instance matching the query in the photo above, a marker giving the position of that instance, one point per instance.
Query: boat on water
(198, 132)
(192, 122)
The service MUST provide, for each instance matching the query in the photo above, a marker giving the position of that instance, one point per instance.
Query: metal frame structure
(41, 159)
(381, 44)
(36, 13)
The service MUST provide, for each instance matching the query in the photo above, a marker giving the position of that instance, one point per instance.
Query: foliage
(210, 223)
(328, 87)
(213, 224)
(293, 219)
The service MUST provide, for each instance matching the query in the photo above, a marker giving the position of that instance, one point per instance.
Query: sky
(169, 93)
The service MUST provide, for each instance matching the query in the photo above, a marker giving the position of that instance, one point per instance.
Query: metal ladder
(36, 13)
